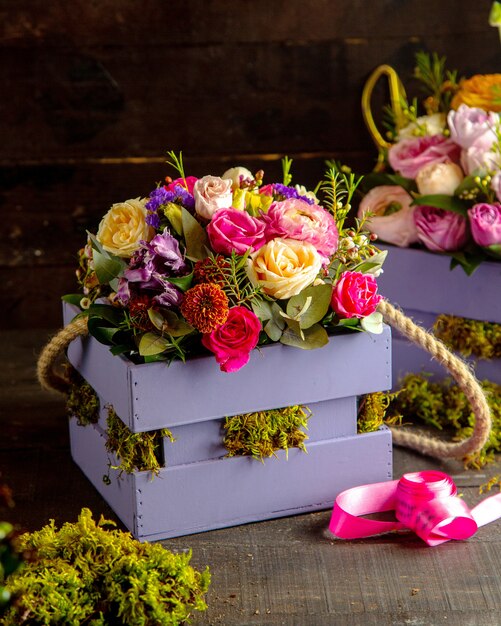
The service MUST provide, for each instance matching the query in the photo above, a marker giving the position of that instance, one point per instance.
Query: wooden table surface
(286, 571)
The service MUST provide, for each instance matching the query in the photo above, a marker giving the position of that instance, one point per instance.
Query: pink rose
(186, 183)
(408, 156)
(392, 214)
(355, 295)
(212, 193)
(299, 220)
(469, 126)
(266, 190)
(477, 158)
(440, 230)
(485, 224)
(231, 229)
(233, 341)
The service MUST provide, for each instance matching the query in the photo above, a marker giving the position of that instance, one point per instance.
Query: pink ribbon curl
(425, 502)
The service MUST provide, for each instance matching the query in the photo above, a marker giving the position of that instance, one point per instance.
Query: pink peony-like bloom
(408, 156)
(355, 295)
(231, 229)
(485, 224)
(233, 341)
(296, 219)
(470, 126)
(392, 217)
(440, 230)
(187, 183)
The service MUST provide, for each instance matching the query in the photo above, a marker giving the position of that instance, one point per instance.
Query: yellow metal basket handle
(397, 92)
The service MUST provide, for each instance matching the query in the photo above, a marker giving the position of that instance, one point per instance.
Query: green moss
(261, 434)
(86, 573)
(82, 401)
(444, 406)
(135, 451)
(372, 409)
(469, 337)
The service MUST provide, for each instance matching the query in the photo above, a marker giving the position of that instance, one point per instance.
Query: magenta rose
(355, 295)
(440, 230)
(231, 229)
(408, 156)
(187, 183)
(299, 220)
(233, 341)
(485, 224)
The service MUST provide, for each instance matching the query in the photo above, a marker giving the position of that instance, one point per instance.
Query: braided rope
(461, 374)
(52, 380)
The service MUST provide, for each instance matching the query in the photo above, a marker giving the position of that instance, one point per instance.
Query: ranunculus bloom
(231, 229)
(469, 126)
(440, 230)
(297, 219)
(284, 267)
(476, 158)
(439, 178)
(485, 224)
(408, 156)
(392, 214)
(123, 228)
(425, 125)
(187, 183)
(233, 341)
(480, 91)
(212, 193)
(355, 295)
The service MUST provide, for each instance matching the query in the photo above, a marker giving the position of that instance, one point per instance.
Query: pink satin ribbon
(424, 502)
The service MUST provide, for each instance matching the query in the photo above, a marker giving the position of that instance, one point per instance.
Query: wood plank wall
(95, 92)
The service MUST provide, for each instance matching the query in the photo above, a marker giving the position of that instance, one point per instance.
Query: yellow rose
(482, 91)
(123, 227)
(284, 267)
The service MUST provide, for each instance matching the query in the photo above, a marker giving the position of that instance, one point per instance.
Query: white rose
(284, 267)
(424, 125)
(123, 228)
(236, 175)
(439, 178)
(212, 193)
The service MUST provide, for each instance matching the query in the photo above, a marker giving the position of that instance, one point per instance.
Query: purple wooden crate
(156, 395)
(422, 281)
(201, 496)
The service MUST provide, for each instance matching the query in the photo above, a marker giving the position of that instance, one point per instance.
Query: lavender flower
(290, 192)
(160, 196)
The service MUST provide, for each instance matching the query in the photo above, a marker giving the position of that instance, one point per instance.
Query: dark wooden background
(94, 93)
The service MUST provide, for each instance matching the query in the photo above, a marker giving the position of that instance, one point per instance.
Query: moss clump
(261, 434)
(10, 556)
(469, 337)
(372, 409)
(135, 451)
(82, 401)
(85, 573)
(443, 405)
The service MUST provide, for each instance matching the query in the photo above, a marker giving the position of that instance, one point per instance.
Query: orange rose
(482, 91)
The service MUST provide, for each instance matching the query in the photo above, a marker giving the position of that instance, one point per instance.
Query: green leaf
(195, 237)
(111, 314)
(183, 282)
(319, 305)
(156, 318)
(103, 334)
(373, 323)
(494, 250)
(119, 349)
(262, 309)
(468, 260)
(314, 337)
(352, 321)
(467, 184)
(294, 325)
(440, 201)
(72, 298)
(151, 344)
(107, 267)
(375, 179)
(274, 330)
(176, 326)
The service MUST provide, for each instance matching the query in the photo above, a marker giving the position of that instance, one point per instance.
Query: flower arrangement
(226, 264)
(440, 180)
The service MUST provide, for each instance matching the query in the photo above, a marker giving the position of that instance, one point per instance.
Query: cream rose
(439, 178)
(212, 193)
(425, 125)
(123, 228)
(284, 267)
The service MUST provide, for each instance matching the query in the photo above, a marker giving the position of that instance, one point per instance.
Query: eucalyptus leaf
(318, 307)
(274, 330)
(262, 309)
(373, 323)
(195, 237)
(151, 344)
(294, 325)
(314, 337)
(440, 201)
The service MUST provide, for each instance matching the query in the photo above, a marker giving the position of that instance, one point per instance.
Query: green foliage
(134, 451)
(439, 83)
(86, 573)
(444, 406)
(469, 337)
(10, 556)
(82, 401)
(234, 280)
(262, 433)
(372, 409)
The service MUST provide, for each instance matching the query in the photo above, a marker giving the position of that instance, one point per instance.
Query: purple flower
(160, 196)
(290, 192)
(440, 230)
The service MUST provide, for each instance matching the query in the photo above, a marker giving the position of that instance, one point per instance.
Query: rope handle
(50, 379)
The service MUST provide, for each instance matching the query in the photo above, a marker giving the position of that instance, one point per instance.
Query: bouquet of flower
(225, 264)
(440, 184)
